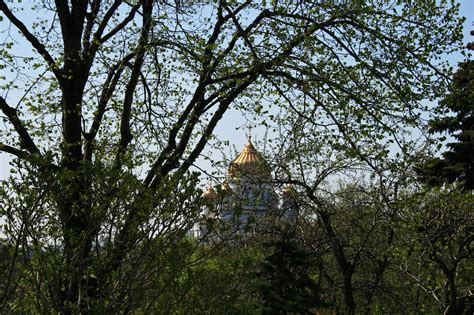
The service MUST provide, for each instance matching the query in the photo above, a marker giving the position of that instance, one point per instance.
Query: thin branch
(108, 89)
(33, 41)
(90, 17)
(118, 27)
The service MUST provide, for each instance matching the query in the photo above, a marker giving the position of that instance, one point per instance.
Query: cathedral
(246, 195)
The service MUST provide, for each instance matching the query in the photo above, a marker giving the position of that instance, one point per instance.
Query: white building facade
(246, 195)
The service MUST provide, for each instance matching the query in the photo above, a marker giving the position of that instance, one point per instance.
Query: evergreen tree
(286, 285)
(457, 163)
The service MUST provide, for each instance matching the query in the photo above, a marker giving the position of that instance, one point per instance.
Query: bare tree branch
(12, 150)
(125, 134)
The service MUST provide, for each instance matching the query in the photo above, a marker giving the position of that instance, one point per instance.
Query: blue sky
(226, 130)
(232, 127)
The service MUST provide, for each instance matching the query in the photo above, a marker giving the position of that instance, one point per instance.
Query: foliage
(436, 247)
(149, 266)
(108, 113)
(219, 284)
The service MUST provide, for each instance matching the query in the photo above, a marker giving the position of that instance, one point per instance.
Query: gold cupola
(249, 163)
(225, 188)
(210, 193)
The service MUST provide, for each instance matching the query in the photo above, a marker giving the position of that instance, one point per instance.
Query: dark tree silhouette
(285, 284)
(457, 163)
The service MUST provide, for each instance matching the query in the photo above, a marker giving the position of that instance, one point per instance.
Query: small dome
(225, 187)
(289, 190)
(249, 163)
(210, 193)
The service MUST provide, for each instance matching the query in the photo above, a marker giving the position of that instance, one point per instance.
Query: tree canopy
(118, 99)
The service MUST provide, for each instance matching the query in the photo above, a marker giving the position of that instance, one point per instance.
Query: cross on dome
(249, 163)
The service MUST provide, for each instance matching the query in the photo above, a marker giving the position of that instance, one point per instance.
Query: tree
(285, 284)
(457, 163)
(351, 238)
(119, 99)
(437, 241)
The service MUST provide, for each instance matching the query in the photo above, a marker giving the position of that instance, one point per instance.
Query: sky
(226, 130)
(233, 126)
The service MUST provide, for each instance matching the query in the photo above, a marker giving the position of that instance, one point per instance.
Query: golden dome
(249, 163)
(289, 191)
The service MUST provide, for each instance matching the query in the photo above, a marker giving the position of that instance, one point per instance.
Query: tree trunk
(78, 236)
(452, 307)
(346, 268)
